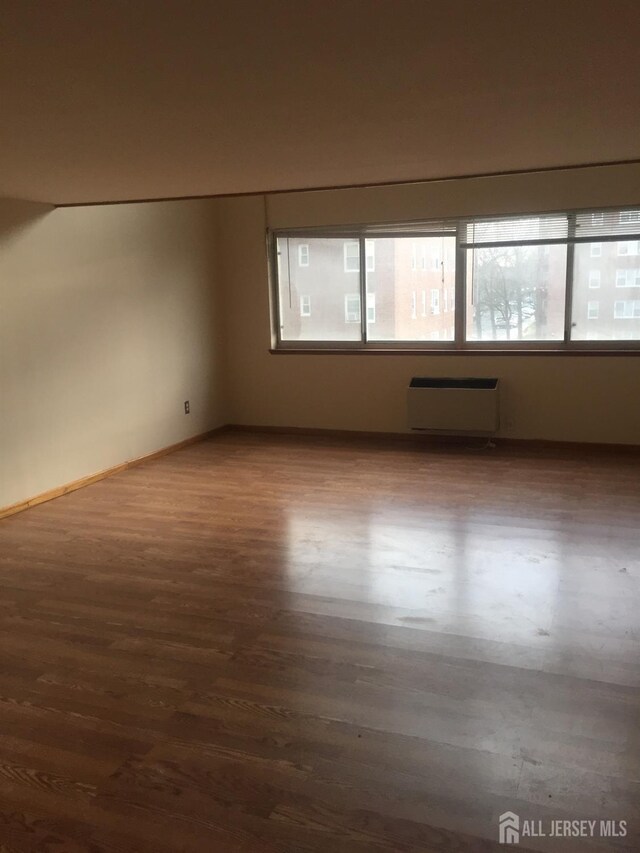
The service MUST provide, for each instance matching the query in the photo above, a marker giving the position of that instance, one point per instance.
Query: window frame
(457, 346)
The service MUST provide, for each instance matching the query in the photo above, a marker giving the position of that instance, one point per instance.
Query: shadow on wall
(15, 215)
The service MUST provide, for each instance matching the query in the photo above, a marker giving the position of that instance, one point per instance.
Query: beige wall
(566, 399)
(111, 317)
(108, 323)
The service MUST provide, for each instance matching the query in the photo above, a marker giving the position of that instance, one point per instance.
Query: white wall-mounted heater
(454, 406)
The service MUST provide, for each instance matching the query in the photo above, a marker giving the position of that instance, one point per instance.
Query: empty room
(319, 426)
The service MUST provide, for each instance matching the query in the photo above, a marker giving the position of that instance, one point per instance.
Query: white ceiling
(130, 99)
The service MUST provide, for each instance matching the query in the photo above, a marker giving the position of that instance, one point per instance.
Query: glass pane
(516, 293)
(319, 289)
(410, 288)
(606, 291)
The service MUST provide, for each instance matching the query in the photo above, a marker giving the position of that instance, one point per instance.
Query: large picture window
(489, 283)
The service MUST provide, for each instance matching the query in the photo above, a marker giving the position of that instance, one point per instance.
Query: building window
(516, 280)
(370, 251)
(352, 257)
(627, 309)
(629, 247)
(371, 307)
(628, 278)
(305, 306)
(352, 308)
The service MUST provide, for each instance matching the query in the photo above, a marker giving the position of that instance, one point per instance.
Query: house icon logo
(509, 824)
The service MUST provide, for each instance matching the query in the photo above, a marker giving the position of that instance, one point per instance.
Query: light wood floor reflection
(302, 645)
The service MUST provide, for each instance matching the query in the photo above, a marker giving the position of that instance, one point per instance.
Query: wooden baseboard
(538, 446)
(51, 494)
(533, 445)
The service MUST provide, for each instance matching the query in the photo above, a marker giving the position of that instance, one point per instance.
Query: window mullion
(568, 290)
(460, 292)
(363, 289)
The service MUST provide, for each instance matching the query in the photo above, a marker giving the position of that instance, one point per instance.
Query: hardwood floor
(267, 643)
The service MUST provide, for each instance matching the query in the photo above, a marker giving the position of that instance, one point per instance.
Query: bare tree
(507, 289)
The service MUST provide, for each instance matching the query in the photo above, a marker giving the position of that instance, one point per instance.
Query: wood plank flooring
(295, 645)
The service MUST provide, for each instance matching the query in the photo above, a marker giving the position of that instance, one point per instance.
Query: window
(629, 247)
(371, 307)
(324, 283)
(523, 282)
(628, 278)
(370, 251)
(352, 308)
(516, 293)
(628, 309)
(352, 256)
(305, 306)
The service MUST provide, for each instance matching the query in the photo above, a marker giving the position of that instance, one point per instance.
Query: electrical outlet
(186, 407)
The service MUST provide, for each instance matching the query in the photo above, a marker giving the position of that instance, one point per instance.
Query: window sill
(475, 351)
